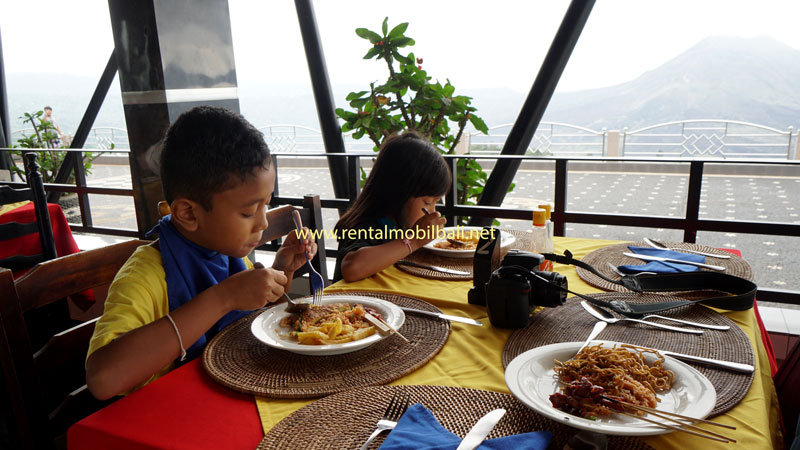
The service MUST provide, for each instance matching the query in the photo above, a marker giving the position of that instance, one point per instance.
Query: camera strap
(740, 293)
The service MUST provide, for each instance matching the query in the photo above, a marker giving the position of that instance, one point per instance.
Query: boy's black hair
(407, 166)
(208, 150)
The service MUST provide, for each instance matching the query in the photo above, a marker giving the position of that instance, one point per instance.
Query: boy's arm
(135, 356)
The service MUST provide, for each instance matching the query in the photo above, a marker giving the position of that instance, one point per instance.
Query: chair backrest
(787, 385)
(35, 193)
(280, 224)
(46, 386)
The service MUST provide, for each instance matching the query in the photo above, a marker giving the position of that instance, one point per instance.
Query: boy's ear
(184, 213)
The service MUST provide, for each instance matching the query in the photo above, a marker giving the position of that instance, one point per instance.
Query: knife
(481, 429)
(678, 261)
(436, 268)
(442, 316)
(737, 367)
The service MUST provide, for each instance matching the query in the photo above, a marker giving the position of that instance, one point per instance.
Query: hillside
(748, 79)
(751, 80)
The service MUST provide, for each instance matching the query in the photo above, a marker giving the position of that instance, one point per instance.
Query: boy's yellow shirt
(136, 297)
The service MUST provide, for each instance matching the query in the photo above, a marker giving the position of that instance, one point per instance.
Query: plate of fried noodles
(466, 241)
(336, 326)
(586, 391)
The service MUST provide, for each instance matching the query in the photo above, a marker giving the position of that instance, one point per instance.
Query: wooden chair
(280, 224)
(35, 193)
(46, 387)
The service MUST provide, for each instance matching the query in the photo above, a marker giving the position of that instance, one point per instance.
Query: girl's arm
(137, 355)
(367, 261)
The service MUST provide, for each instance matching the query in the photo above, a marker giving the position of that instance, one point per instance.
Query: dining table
(188, 409)
(30, 244)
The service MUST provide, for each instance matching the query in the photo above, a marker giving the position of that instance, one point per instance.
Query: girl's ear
(184, 213)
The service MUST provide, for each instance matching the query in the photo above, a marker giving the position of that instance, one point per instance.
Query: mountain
(747, 79)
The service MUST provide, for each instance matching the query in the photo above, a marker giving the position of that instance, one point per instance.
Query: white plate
(506, 239)
(266, 327)
(531, 378)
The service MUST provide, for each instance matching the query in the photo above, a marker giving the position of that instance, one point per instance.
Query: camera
(512, 288)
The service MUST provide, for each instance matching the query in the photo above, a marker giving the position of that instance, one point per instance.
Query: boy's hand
(426, 227)
(252, 289)
(291, 255)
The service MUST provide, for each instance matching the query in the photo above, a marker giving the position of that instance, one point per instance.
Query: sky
(476, 44)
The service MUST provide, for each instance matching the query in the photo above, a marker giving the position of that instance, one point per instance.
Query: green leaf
(448, 90)
(372, 52)
(478, 123)
(398, 30)
(403, 42)
(355, 95)
(372, 36)
(385, 25)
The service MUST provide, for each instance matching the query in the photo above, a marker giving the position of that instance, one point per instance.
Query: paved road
(775, 259)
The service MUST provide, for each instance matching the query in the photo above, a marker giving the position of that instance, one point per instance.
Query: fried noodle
(621, 371)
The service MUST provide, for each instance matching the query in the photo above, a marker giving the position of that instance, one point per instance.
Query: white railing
(101, 138)
(551, 138)
(706, 138)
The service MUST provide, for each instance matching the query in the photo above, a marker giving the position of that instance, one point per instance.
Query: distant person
(48, 117)
(171, 297)
(408, 178)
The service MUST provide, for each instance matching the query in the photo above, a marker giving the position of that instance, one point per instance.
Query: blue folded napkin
(663, 267)
(419, 430)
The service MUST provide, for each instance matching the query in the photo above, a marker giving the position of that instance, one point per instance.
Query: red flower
(419, 60)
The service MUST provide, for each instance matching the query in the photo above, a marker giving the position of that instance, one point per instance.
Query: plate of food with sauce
(461, 241)
(336, 326)
(586, 390)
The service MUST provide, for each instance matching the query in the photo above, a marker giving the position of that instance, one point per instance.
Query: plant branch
(392, 75)
(461, 127)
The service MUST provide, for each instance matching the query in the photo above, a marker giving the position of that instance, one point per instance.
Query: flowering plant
(410, 100)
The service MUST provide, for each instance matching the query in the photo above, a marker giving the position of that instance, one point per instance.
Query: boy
(173, 296)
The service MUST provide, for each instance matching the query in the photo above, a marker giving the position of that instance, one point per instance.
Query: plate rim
(257, 329)
(552, 413)
(510, 239)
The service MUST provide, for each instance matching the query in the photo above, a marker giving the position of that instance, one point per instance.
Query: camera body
(517, 287)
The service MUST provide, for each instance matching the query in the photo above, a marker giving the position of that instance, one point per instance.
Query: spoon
(660, 246)
(291, 306)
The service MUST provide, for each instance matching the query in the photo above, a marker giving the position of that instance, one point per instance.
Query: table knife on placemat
(481, 429)
(442, 316)
(434, 268)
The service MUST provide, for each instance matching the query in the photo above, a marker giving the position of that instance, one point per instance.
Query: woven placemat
(522, 241)
(570, 323)
(236, 359)
(614, 254)
(345, 421)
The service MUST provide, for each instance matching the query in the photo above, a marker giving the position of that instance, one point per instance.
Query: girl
(408, 178)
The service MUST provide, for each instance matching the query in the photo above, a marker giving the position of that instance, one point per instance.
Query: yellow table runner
(12, 206)
(472, 355)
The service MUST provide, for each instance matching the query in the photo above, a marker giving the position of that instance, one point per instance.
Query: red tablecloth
(185, 409)
(31, 245)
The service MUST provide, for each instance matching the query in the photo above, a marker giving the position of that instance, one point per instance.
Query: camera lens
(548, 293)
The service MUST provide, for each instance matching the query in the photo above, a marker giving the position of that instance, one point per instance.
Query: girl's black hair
(208, 150)
(407, 166)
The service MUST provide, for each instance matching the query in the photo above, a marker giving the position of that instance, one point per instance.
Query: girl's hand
(254, 288)
(426, 228)
(291, 255)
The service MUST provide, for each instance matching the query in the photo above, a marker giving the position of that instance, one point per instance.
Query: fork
(622, 274)
(314, 278)
(659, 245)
(397, 406)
